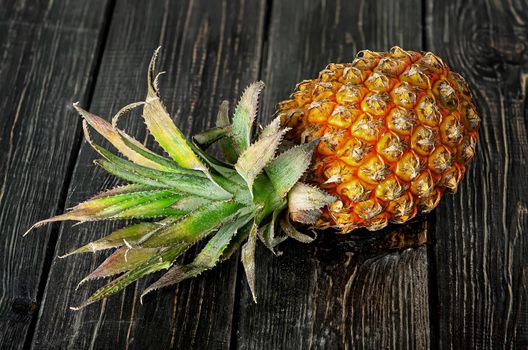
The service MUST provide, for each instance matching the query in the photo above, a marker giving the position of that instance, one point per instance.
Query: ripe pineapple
(372, 142)
(396, 128)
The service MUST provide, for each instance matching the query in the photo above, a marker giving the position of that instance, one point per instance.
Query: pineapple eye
(403, 95)
(445, 93)
(422, 141)
(428, 112)
(376, 103)
(368, 209)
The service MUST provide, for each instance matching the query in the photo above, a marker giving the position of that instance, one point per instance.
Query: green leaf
(196, 225)
(245, 114)
(248, 260)
(226, 143)
(191, 203)
(220, 167)
(206, 259)
(131, 234)
(285, 170)
(253, 160)
(166, 164)
(160, 261)
(161, 126)
(122, 206)
(267, 233)
(123, 189)
(180, 182)
(208, 137)
(106, 130)
(236, 242)
(122, 260)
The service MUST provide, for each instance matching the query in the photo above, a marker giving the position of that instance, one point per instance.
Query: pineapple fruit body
(396, 130)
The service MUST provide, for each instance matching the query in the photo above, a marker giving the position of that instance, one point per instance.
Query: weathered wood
(211, 51)
(481, 248)
(48, 51)
(330, 295)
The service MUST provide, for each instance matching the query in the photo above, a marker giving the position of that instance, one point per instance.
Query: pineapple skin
(396, 130)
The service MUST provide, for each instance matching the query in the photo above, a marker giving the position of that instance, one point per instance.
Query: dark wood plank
(336, 293)
(481, 250)
(211, 51)
(49, 50)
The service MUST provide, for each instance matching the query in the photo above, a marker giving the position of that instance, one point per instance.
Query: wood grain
(481, 250)
(210, 51)
(48, 52)
(330, 295)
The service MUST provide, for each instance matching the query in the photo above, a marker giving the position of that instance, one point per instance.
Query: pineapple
(373, 146)
(396, 130)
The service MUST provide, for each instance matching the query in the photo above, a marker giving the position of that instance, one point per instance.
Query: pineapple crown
(193, 195)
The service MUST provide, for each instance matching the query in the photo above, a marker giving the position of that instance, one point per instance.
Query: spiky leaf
(292, 232)
(122, 260)
(267, 233)
(245, 114)
(179, 182)
(206, 259)
(208, 137)
(285, 170)
(196, 225)
(162, 260)
(226, 143)
(253, 160)
(106, 130)
(131, 234)
(122, 206)
(305, 202)
(161, 126)
(271, 129)
(248, 260)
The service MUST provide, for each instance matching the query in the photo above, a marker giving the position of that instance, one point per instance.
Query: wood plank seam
(52, 243)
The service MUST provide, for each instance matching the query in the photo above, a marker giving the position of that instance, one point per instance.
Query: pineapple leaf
(196, 225)
(236, 242)
(226, 143)
(208, 137)
(162, 260)
(292, 232)
(122, 260)
(165, 163)
(124, 111)
(122, 206)
(179, 182)
(244, 116)
(306, 197)
(253, 160)
(123, 189)
(285, 170)
(161, 126)
(191, 203)
(106, 130)
(248, 259)
(267, 233)
(271, 129)
(131, 234)
(305, 201)
(220, 167)
(306, 216)
(206, 259)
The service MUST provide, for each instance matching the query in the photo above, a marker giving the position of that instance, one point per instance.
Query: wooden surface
(466, 288)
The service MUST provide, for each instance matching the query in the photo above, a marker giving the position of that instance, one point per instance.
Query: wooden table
(466, 288)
